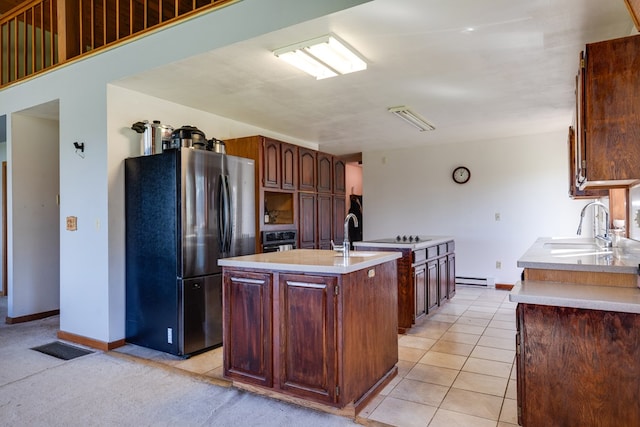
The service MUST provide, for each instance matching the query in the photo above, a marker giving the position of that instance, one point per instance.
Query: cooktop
(402, 239)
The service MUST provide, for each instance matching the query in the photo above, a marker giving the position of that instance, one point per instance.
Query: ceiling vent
(412, 118)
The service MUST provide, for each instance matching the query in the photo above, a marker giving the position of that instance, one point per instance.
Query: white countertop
(310, 261)
(581, 254)
(607, 298)
(425, 242)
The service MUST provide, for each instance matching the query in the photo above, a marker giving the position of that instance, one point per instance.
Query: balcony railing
(41, 34)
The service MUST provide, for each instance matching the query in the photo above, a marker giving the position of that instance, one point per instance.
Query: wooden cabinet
(325, 220)
(271, 162)
(432, 285)
(420, 284)
(443, 281)
(607, 127)
(289, 162)
(339, 176)
(325, 173)
(426, 279)
(308, 346)
(577, 367)
(248, 312)
(307, 221)
(451, 274)
(312, 336)
(307, 169)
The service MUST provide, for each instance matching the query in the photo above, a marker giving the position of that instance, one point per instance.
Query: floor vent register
(61, 350)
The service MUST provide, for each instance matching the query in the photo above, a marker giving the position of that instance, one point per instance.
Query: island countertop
(581, 254)
(310, 261)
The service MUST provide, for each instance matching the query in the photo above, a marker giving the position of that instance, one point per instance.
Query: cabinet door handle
(245, 280)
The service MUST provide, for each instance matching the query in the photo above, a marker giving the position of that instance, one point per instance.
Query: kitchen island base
(326, 334)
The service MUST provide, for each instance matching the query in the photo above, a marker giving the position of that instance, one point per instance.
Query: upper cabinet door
(271, 163)
(339, 185)
(325, 173)
(307, 169)
(289, 166)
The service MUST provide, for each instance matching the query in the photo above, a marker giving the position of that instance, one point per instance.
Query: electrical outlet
(497, 216)
(169, 335)
(72, 223)
(498, 265)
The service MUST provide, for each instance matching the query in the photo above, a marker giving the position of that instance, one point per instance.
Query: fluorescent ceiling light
(412, 118)
(323, 57)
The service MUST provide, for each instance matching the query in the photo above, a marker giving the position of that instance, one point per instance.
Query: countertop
(607, 298)
(425, 242)
(310, 261)
(582, 254)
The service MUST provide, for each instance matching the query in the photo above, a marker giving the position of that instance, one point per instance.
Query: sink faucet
(346, 245)
(604, 238)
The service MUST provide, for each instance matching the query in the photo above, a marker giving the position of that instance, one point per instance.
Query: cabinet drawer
(451, 246)
(432, 252)
(419, 255)
(442, 249)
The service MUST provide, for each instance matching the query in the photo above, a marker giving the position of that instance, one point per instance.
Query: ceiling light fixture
(322, 57)
(412, 118)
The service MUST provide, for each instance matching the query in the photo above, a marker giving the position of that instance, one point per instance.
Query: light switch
(72, 223)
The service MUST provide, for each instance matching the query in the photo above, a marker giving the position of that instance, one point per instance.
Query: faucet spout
(604, 236)
(346, 244)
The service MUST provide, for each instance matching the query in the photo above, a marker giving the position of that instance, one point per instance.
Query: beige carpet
(103, 389)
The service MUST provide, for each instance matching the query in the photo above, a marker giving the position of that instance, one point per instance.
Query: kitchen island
(311, 326)
(426, 273)
(578, 333)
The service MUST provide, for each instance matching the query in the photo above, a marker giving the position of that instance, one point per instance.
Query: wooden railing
(41, 34)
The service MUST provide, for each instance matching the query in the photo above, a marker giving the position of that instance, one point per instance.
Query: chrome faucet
(346, 244)
(604, 238)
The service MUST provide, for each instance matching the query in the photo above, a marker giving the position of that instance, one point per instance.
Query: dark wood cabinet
(607, 127)
(432, 285)
(308, 346)
(339, 176)
(451, 274)
(307, 169)
(271, 161)
(247, 308)
(443, 281)
(289, 166)
(577, 367)
(325, 220)
(307, 220)
(420, 289)
(325, 173)
(312, 335)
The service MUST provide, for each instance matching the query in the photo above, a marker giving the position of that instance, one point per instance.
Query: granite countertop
(310, 261)
(425, 242)
(582, 254)
(607, 298)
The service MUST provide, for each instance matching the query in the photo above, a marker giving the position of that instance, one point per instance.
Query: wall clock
(461, 174)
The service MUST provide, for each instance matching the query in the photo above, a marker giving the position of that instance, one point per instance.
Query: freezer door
(200, 314)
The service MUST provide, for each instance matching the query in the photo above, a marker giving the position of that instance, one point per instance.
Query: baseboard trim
(90, 342)
(504, 286)
(30, 317)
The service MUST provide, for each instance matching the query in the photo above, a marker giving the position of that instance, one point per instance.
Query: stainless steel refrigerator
(185, 209)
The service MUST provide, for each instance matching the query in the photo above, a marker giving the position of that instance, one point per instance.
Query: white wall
(524, 179)
(34, 238)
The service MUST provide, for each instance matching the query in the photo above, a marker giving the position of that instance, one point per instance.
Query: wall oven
(274, 241)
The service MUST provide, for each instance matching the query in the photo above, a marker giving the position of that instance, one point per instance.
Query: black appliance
(185, 209)
(274, 241)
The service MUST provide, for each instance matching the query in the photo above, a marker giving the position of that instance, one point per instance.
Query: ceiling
(513, 74)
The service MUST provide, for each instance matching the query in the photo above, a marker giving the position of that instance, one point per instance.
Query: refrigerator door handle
(224, 214)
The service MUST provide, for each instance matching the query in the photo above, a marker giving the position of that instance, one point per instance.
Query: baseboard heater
(486, 282)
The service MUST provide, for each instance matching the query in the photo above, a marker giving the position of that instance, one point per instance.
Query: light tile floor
(456, 367)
